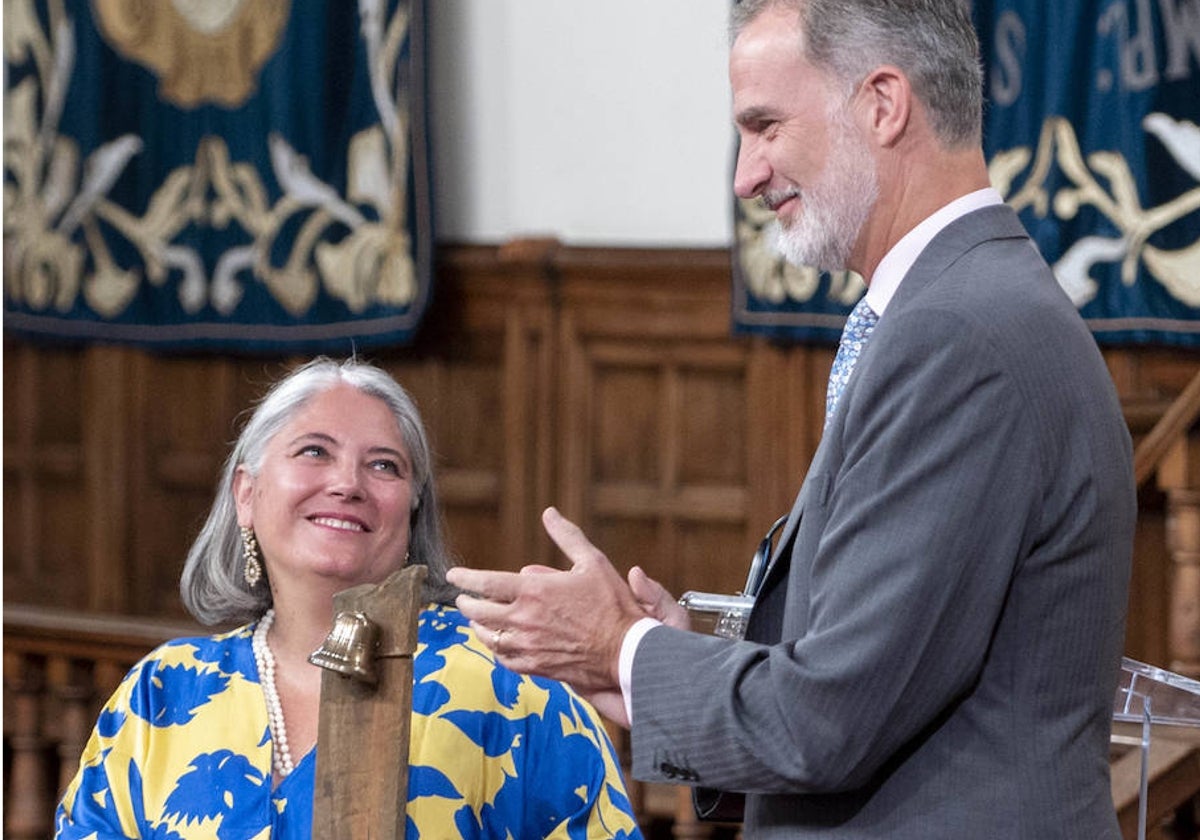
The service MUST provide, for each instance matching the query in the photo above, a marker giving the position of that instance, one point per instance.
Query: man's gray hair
(932, 41)
(213, 585)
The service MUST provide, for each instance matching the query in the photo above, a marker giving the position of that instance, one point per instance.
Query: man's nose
(752, 173)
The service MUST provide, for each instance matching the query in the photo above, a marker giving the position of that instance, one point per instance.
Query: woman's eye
(386, 466)
(312, 450)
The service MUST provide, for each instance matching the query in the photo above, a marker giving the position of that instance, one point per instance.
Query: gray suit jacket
(936, 648)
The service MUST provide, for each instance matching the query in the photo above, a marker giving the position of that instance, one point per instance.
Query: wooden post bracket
(361, 788)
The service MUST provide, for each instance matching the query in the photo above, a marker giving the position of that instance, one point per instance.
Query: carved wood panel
(46, 501)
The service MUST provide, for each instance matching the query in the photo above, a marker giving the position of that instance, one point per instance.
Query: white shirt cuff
(629, 646)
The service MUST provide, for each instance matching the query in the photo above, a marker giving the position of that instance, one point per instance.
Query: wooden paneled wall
(604, 381)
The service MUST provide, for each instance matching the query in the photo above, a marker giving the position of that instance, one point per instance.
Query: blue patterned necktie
(858, 329)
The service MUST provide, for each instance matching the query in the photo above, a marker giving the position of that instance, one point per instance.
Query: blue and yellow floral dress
(182, 751)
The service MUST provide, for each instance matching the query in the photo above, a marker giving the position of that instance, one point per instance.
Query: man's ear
(886, 104)
(243, 492)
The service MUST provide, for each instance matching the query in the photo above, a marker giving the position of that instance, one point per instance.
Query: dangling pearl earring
(253, 569)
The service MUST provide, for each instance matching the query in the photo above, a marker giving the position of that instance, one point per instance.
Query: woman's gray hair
(213, 585)
(932, 41)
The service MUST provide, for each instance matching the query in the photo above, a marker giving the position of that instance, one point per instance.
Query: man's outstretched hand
(567, 625)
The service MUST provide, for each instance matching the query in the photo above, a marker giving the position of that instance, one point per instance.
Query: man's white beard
(835, 208)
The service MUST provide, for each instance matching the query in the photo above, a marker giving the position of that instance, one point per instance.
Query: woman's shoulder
(179, 680)
(227, 652)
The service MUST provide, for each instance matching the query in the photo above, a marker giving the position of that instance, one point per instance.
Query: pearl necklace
(281, 756)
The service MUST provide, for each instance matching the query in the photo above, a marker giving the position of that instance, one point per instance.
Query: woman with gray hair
(330, 486)
(213, 587)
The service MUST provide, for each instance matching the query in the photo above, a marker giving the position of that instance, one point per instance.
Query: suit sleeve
(920, 528)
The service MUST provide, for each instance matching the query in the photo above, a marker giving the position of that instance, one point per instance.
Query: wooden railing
(1174, 426)
(1170, 453)
(59, 668)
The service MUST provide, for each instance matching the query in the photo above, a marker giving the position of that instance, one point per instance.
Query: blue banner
(229, 175)
(1091, 133)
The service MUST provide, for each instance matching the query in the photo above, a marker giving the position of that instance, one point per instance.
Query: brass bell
(349, 649)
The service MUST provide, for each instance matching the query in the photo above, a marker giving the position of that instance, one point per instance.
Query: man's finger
(491, 638)
(656, 600)
(495, 586)
(482, 611)
(569, 537)
(646, 589)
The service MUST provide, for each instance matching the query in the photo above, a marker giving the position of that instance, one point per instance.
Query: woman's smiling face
(333, 496)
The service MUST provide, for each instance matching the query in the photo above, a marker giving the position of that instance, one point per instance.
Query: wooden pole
(361, 788)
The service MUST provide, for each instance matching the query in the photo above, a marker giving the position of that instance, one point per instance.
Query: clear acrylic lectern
(1146, 695)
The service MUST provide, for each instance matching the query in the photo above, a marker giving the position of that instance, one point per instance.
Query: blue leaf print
(162, 831)
(180, 641)
(564, 762)
(491, 731)
(429, 781)
(135, 793)
(95, 779)
(138, 802)
(618, 798)
(219, 784)
(437, 634)
(506, 685)
(561, 771)
(172, 694)
(467, 824)
(85, 809)
(444, 629)
(87, 828)
(428, 697)
(110, 722)
(231, 659)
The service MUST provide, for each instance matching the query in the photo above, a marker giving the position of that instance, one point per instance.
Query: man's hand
(658, 604)
(567, 625)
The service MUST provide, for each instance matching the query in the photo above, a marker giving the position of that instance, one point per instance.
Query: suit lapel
(767, 616)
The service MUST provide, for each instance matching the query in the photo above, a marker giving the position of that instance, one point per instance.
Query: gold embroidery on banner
(201, 50)
(1177, 270)
(50, 199)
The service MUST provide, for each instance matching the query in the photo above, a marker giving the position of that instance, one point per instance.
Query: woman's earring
(253, 569)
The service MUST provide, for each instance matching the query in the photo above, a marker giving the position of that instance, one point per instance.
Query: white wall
(599, 123)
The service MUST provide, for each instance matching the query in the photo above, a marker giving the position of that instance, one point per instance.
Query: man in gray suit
(935, 647)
